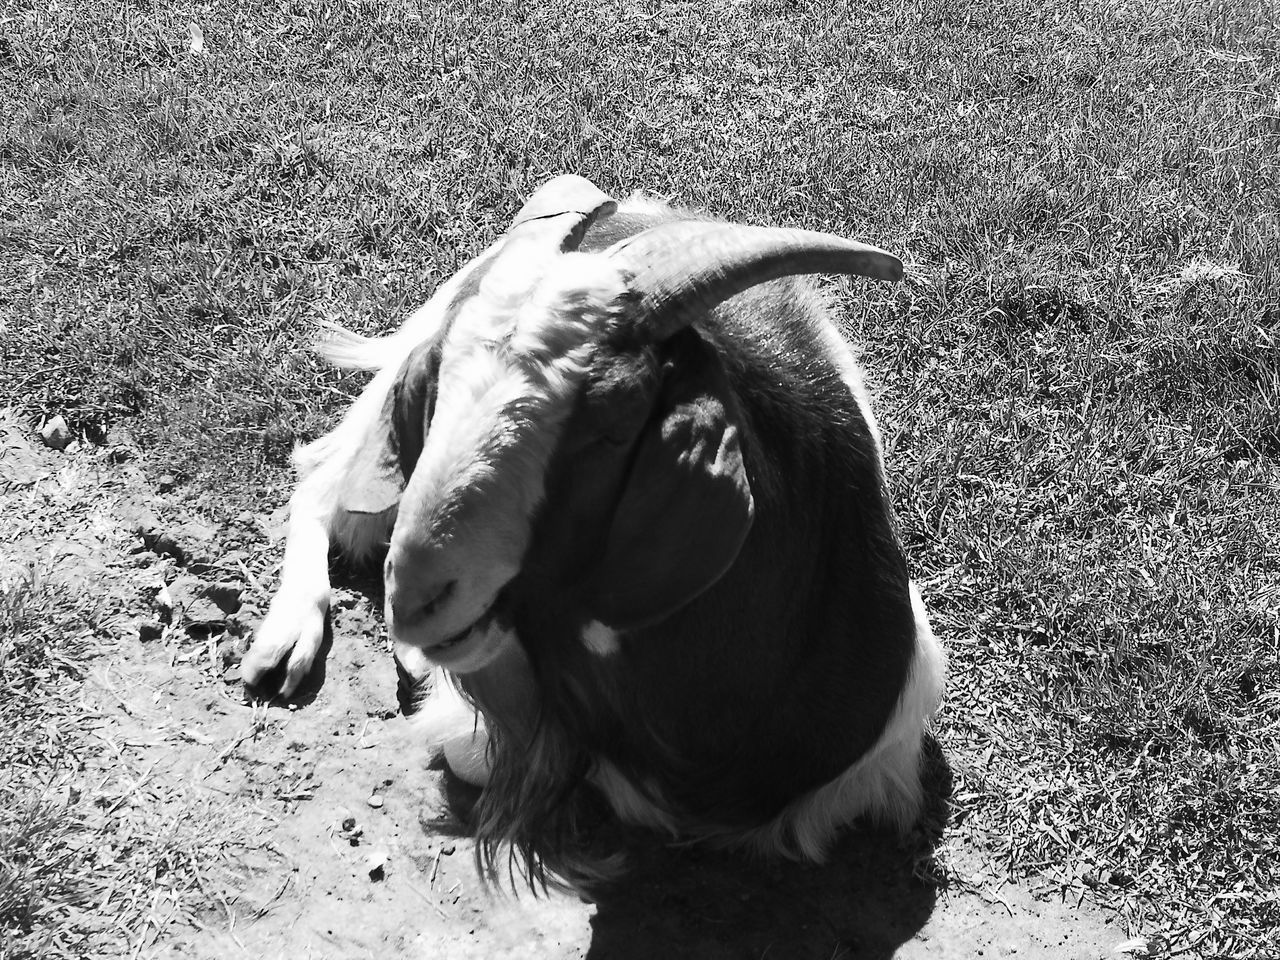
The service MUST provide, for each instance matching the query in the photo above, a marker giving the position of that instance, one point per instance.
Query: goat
(638, 528)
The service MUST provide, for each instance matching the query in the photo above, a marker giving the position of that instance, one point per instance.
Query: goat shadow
(874, 893)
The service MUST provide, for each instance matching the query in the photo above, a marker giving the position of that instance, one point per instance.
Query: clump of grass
(40, 869)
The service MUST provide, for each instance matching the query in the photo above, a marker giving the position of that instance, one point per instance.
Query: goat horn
(568, 205)
(683, 269)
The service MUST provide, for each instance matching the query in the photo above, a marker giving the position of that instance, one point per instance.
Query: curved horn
(563, 208)
(682, 269)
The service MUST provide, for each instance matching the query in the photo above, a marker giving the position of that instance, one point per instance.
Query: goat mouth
(455, 640)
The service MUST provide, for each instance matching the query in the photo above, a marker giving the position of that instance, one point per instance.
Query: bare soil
(323, 831)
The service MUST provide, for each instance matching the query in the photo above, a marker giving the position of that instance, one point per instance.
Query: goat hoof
(283, 651)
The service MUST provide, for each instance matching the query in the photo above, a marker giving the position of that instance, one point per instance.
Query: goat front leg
(293, 629)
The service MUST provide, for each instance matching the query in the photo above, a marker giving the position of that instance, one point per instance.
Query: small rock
(165, 483)
(376, 864)
(191, 598)
(226, 595)
(150, 631)
(229, 656)
(164, 605)
(375, 801)
(55, 433)
(188, 543)
(351, 831)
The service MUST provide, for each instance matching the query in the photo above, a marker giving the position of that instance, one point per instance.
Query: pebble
(375, 801)
(376, 864)
(55, 433)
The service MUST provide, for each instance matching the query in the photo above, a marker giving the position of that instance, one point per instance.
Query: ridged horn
(565, 205)
(685, 268)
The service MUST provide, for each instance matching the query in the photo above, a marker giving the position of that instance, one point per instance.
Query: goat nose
(431, 600)
(414, 605)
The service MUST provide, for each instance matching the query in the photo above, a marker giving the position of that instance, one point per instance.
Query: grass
(1079, 380)
(97, 856)
(38, 868)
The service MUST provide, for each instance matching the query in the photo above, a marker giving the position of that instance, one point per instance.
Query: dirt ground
(328, 833)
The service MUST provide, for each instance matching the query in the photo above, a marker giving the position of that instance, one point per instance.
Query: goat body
(782, 685)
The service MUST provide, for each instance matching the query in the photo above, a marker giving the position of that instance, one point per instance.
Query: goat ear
(686, 507)
(563, 207)
(391, 446)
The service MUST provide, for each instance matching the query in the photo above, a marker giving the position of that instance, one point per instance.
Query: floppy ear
(391, 446)
(686, 507)
(562, 209)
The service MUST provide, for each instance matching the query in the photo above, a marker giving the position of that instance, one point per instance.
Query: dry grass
(1080, 378)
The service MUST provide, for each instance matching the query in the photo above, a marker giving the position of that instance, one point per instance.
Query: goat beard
(535, 817)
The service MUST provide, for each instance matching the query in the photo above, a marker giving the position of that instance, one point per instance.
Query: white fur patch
(452, 726)
(511, 365)
(630, 804)
(510, 369)
(599, 639)
(324, 465)
(885, 783)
